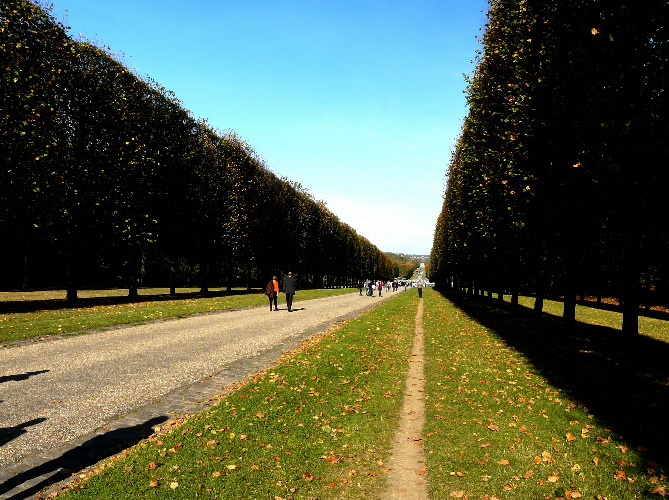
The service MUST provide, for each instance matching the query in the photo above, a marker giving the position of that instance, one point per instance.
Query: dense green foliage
(108, 181)
(555, 184)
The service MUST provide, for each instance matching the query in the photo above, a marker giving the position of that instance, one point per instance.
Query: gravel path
(67, 403)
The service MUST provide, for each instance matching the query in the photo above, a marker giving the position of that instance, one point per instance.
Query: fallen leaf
(659, 489)
(503, 461)
(528, 474)
(570, 437)
(174, 485)
(552, 479)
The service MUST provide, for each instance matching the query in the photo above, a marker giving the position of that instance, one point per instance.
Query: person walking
(272, 292)
(420, 289)
(380, 287)
(360, 285)
(289, 290)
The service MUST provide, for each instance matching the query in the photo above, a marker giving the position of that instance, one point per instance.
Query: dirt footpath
(68, 403)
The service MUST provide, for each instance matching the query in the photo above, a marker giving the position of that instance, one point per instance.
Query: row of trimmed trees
(106, 180)
(556, 183)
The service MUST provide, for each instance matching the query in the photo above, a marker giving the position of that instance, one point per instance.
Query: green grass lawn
(518, 407)
(652, 327)
(39, 314)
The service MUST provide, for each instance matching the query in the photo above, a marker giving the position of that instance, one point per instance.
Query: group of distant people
(273, 289)
(370, 286)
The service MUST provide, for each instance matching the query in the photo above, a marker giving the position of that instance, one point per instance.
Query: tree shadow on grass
(87, 454)
(22, 306)
(622, 380)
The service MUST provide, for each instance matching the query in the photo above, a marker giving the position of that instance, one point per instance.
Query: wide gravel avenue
(55, 392)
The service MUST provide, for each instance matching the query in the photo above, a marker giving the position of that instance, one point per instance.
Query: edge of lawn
(43, 320)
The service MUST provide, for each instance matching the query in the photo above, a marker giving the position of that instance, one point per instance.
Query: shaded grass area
(41, 314)
(319, 425)
(655, 325)
(520, 407)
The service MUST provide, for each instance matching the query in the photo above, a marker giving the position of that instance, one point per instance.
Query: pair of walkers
(288, 288)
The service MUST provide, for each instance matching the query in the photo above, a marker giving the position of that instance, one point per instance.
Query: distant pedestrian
(289, 290)
(380, 287)
(360, 286)
(420, 288)
(272, 292)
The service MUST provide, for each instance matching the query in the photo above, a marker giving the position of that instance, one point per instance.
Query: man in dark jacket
(289, 290)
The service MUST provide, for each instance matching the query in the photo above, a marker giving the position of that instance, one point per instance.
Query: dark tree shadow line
(21, 306)
(622, 380)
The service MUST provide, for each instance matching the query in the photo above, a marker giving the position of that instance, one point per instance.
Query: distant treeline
(557, 184)
(106, 180)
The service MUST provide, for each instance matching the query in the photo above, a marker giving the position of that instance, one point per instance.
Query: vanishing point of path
(67, 403)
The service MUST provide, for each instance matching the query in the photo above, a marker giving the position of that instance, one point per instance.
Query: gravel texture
(69, 402)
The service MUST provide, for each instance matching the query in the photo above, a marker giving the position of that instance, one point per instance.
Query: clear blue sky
(360, 101)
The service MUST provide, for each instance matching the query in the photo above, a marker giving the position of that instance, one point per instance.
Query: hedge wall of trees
(106, 180)
(555, 186)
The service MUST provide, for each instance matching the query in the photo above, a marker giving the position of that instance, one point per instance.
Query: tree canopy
(555, 183)
(108, 181)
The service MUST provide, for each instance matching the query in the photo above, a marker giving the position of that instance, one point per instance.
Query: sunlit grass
(653, 327)
(45, 316)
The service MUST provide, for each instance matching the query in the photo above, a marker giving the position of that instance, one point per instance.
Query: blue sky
(359, 101)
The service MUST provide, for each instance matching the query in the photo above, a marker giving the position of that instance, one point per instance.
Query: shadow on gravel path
(30, 482)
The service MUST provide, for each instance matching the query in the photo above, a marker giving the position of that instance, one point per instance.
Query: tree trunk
(631, 287)
(569, 309)
(72, 278)
(539, 304)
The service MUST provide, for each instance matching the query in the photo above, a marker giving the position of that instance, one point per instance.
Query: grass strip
(649, 326)
(47, 317)
(318, 425)
(519, 407)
